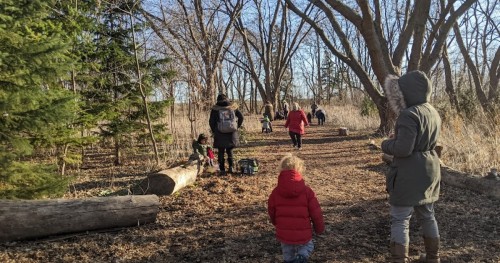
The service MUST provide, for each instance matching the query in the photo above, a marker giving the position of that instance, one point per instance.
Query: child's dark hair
(202, 137)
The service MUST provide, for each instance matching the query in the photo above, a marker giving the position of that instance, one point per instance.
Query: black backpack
(227, 121)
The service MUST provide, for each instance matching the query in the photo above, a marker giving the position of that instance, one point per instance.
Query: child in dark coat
(292, 206)
(321, 116)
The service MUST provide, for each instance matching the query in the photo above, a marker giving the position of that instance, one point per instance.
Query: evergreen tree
(114, 95)
(35, 108)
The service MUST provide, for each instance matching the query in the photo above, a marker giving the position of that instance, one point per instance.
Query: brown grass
(472, 147)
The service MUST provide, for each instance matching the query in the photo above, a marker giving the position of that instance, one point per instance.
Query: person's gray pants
(290, 251)
(400, 222)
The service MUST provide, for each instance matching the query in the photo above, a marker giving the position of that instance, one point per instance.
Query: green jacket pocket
(390, 179)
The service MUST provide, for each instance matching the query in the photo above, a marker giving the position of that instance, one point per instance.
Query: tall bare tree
(272, 37)
(385, 37)
(196, 32)
(483, 63)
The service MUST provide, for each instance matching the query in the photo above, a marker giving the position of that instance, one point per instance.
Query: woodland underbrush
(471, 146)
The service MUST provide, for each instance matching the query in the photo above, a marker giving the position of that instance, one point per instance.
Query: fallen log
(169, 181)
(30, 219)
(458, 179)
(476, 184)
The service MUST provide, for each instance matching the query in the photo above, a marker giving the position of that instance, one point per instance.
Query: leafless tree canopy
(260, 49)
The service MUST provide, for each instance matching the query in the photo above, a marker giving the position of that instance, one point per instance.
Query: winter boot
(399, 253)
(431, 250)
(222, 170)
(299, 259)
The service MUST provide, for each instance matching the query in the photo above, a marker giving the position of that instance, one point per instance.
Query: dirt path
(224, 219)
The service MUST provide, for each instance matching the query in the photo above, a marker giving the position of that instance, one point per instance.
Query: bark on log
(171, 180)
(476, 184)
(29, 219)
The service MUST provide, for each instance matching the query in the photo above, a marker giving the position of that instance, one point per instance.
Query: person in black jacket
(321, 116)
(225, 141)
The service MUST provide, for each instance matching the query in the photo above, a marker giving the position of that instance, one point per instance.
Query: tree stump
(343, 131)
(29, 219)
(169, 181)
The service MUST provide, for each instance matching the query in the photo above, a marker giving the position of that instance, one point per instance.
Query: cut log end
(171, 180)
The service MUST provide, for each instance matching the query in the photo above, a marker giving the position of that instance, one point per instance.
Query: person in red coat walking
(292, 206)
(295, 123)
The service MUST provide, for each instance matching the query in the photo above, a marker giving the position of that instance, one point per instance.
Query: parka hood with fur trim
(413, 88)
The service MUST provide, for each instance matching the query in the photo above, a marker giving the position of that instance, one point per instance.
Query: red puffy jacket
(292, 206)
(295, 121)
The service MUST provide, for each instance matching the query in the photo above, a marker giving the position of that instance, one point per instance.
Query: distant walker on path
(321, 116)
(295, 123)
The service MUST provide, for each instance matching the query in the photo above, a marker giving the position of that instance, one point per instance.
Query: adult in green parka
(414, 177)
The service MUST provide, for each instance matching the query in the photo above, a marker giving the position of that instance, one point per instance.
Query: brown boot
(399, 253)
(431, 250)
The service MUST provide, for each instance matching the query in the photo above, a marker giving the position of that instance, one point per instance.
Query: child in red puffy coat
(292, 206)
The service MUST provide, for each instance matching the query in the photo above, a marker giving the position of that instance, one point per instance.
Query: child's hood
(290, 183)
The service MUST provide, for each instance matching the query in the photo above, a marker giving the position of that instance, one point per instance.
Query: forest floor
(224, 218)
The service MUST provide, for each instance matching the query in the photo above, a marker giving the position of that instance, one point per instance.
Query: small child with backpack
(266, 124)
(292, 206)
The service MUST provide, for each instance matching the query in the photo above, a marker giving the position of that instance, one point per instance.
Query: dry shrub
(471, 146)
(350, 116)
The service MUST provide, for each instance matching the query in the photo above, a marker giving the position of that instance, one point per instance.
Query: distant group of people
(412, 183)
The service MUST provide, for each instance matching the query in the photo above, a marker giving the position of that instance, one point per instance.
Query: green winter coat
(415, 173)
(199, 148)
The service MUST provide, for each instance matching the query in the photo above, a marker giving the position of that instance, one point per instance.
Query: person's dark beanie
(221, 97)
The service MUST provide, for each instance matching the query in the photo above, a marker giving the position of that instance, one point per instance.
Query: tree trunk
(450, 89)
(41, 218)
(169, 181)
(117, 152)
(144, 96)
(473, 70)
